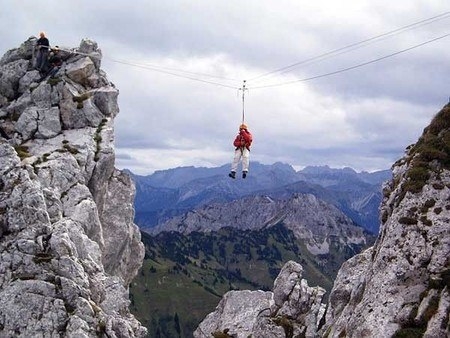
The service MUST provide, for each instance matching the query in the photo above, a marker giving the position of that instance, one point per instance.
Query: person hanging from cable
(242, 142)
(42, 46)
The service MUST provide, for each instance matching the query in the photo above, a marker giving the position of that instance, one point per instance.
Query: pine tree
(177, 324)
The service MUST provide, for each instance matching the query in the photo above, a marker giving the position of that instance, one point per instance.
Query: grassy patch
(42, 258)
(40, 160)
(221, 334)
(22, 151)
(416, 178)
(53, 81)
(79, 99)
(431, 153)
(70, 149)
(410, 332)
(286, 324)
(98, 139)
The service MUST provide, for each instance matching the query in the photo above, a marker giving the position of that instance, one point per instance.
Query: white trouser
(238, 153)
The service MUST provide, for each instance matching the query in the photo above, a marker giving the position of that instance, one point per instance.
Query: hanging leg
(235, 163)
(245, 162)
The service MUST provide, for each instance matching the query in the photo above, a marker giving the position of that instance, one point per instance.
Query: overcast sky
(363, 118)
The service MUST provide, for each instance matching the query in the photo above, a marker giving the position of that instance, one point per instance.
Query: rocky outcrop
(400, 287)
(293, 309)
(397, 288)
(68, 244)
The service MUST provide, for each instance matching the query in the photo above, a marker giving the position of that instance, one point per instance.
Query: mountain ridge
(354, 193)
(312, 220)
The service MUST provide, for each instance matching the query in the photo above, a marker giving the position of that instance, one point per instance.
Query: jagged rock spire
(68, 244)
(293, 309)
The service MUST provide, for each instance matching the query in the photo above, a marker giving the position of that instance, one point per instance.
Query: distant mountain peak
(325, 169)
(173, 192)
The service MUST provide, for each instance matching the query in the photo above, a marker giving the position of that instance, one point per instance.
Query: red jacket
(243, 139)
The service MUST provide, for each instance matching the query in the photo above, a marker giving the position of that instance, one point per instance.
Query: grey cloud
(164, 113)
(124, 156)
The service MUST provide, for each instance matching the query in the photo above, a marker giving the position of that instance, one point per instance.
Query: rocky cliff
(397, 288)
(400, 287)
(68, 244)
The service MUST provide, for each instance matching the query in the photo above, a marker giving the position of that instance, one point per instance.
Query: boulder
(292, 309)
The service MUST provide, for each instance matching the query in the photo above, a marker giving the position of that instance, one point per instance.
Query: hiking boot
(244, 174)
(232, 174)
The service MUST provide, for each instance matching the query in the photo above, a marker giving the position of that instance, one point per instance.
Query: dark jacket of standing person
(42, 46)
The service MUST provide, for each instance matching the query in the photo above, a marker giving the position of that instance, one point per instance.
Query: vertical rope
(243, 100)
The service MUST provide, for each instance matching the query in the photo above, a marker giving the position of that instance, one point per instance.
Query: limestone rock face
(397, 288)
(401, 285)
(68, 244)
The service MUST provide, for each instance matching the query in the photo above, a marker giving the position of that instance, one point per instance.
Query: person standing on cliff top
(42, 46)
